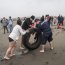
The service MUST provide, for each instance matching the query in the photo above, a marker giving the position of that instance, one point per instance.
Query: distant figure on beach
(51, 20)
(10, 25)
(5, 23)
(23, 20)
(62, 20)
(55, 21)
(19, 19)
(42, 19)
(1, 20)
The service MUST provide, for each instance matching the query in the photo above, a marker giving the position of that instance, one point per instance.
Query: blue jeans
(10, 28)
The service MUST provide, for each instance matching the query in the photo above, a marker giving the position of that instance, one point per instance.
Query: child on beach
(13, 37)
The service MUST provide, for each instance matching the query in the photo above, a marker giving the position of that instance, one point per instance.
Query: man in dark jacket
(28, 22)
(26, 25)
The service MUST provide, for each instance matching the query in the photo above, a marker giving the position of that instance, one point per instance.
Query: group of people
(7, 24)
(60, 21)
(19, 29)
(57, 20)
(22, 27)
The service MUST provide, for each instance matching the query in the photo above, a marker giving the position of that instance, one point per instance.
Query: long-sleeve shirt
(45, 28)
(10, 22)
(16, 32)
(27, 24)
(4, 22)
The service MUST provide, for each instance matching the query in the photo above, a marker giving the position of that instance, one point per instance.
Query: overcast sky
(22, 8)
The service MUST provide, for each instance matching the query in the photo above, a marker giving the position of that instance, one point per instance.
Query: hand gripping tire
(36, 43)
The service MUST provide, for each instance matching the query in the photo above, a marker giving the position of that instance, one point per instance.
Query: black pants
(5, 27)
(46, 37)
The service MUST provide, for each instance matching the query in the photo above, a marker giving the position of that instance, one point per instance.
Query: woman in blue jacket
(46, 33)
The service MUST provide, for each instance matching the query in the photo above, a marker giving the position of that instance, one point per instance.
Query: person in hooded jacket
(46, 31)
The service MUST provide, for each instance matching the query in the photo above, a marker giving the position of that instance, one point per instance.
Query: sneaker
(22, 48)
(7, 58)
(26, 51)
(12, 55)
(42, 51)
(51, 48)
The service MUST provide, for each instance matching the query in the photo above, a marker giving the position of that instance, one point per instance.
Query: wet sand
(49, 57)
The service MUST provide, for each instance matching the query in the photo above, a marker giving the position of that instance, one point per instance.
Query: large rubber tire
(26, 37)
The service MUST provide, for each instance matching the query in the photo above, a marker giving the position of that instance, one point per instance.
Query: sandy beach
(49, 57)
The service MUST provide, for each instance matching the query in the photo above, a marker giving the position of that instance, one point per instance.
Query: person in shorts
(13, 37)
(46, 34)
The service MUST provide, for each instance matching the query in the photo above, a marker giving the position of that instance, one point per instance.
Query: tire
(26, 37)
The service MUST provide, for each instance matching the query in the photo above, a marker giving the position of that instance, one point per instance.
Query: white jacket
(16, 32)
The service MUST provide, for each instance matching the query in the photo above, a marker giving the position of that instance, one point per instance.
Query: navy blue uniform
(46, 32)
